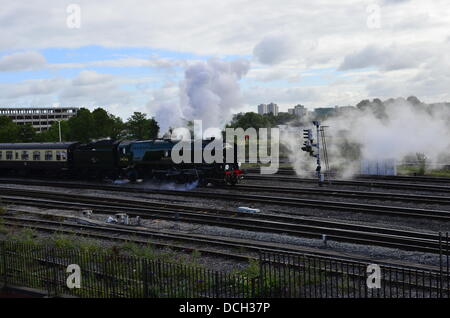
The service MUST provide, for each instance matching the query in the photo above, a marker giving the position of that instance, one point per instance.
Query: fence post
(48, 271)
(447, 265)
(261, 276)
(5, 271)
(253, 280)
(440, 266)
(216, 285)
(145, 277)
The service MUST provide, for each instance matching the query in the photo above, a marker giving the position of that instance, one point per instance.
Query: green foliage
(134, 249)
(83, 127)
(3, 229)
(141, 128)
(27, 133)
(9, 131)
(64, 241)
(252, 120)
(252, 270)
(25, 236)
(422, 160)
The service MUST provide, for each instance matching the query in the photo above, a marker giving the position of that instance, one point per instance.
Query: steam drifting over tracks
(371, 184)
(430, 179)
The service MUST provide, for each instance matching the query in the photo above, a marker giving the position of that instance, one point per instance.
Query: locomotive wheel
(231, 181)
(202, 182)
(132, 175)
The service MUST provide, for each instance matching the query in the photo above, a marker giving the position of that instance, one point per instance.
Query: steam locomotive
(149, 159)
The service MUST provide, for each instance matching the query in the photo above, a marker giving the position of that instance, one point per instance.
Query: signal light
(307, 134)
(308, 148)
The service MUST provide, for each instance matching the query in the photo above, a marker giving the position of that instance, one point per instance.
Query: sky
(128, 56)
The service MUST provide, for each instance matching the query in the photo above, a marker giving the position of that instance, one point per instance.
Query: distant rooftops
(41, 118)
(33, 110)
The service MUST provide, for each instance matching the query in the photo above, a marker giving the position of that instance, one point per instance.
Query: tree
(27, 133)
(118, 127)
(52, 134)
(9, 131)
(141, 128)
(106, 125)
(250, 119)
(81, 126)
(102, 123)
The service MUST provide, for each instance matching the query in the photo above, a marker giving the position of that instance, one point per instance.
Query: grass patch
(417, 171)
(252, 270)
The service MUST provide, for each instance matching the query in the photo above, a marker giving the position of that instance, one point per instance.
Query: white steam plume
(209, 91)
(393, 130)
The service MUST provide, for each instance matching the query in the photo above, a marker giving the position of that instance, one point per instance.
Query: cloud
(27, 88)
(23, 61)
(384, 58)
(274, 49)
(284, 39)
(394, 1)
(125, 62)
(89, 78)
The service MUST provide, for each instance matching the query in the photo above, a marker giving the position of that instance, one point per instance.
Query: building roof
(37, 145)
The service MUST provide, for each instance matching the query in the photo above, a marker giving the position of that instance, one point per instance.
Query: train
(116, 159)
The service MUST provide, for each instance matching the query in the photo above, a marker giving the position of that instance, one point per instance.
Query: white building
(268, 108)
(272, 108)
(40, 117)
(298, 110)
(262, 109)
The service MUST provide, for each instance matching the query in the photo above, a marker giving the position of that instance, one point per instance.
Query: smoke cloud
(394, 129)
(209, 92)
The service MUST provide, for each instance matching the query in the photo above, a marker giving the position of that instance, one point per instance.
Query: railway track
(288, 171)
(346, 193)
(439, 215)
(371, 184)
(288, 190)
(269, 223)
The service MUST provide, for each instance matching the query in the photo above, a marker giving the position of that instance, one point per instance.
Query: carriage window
(17, 155)
(61, 155)
(37, 155)
(49, 155)
(1, 155)
(9, 155)
(25, 155)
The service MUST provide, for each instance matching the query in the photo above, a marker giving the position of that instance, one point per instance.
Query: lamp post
(59, 126)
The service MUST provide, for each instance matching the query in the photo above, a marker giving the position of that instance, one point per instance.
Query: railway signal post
(309, 145)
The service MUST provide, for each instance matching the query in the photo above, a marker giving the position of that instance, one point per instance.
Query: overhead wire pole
(325, 154)
(317, 145)
(59, 129)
